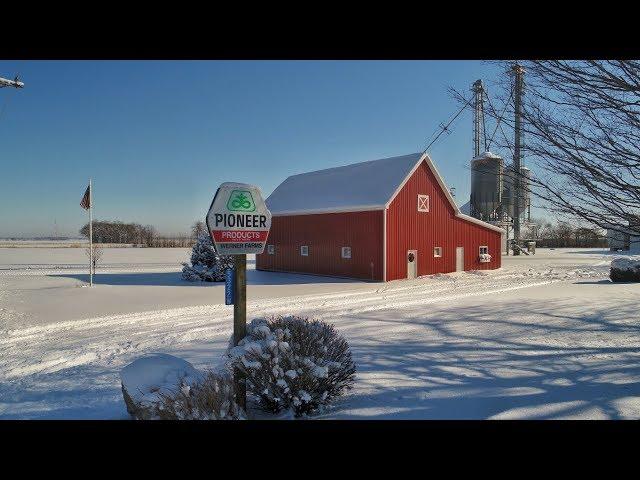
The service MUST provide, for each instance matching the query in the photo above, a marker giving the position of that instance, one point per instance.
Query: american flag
(86, 202)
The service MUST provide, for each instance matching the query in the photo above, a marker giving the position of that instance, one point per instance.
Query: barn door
(412, 264)
(459, 259)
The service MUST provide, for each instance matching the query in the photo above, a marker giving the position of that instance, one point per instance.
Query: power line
(499, 119)
(445, 128)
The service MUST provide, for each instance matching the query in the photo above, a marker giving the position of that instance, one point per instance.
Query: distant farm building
(626, 237)
(380, 220)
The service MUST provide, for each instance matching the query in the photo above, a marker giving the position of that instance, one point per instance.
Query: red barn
(380, 220)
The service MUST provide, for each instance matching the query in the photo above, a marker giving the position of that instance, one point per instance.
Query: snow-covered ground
(546, 336)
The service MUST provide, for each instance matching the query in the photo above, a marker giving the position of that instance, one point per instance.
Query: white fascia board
(406, 179)
(364, 208)
(384, 246)
(480, 222)
(425, 158)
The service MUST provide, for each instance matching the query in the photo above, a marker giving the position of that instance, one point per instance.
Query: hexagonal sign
(238, 219)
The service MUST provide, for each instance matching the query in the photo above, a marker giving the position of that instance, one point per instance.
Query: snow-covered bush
(164, 387)
(206, 264)
(625, 269)
(293, 363)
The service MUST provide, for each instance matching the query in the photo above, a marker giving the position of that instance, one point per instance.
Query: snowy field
(546, 336)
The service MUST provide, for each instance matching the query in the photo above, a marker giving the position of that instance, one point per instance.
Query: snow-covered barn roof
(361, 186)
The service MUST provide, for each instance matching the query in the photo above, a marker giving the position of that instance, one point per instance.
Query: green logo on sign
(241, 200)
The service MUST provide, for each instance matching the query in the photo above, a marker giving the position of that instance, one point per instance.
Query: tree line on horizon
(117, 232)
(564, 234)
(547, 234)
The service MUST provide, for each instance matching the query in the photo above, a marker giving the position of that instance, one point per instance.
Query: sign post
(238, 222)
(240, 321)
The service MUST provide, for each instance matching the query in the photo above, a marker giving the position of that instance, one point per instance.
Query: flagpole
(90, 235)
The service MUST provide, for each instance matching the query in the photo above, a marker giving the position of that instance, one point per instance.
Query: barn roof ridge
(338, 167)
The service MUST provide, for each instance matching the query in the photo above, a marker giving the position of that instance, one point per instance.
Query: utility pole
(518, 71)
(90, 235)
(478, 116)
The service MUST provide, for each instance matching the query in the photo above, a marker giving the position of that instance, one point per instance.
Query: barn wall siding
(408, 229)
(326, 234)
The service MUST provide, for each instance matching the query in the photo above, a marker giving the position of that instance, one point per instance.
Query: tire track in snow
(54, 347)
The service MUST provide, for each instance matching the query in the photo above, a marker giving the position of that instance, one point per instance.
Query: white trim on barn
(480, 222)
(367, 208)
(384, 246)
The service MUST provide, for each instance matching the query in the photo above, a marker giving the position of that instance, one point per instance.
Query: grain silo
(486, 186)
(508, 191)
(500, 194)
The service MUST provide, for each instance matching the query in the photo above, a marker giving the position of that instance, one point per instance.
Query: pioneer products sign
(238, 219)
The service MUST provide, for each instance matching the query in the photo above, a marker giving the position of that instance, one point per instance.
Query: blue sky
(159, 137)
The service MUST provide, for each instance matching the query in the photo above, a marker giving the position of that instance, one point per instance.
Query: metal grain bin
(486, 185)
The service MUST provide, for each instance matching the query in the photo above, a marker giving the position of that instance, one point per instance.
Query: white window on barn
(437, 252)
(346, 252)
(484, 254)
(304, 250)
(423, 203)
(271, 249)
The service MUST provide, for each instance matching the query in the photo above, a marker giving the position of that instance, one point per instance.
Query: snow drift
(164, 387)
(146, 378)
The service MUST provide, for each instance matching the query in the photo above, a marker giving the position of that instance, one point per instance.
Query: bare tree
(538, 228)
(582, 130)
(197, 229)
(564, 234)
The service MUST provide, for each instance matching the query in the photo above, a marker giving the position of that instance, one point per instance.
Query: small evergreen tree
(206, 264)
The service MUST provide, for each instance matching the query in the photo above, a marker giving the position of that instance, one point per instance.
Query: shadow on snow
(174, 279)
(530, 360)
(467, 375)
